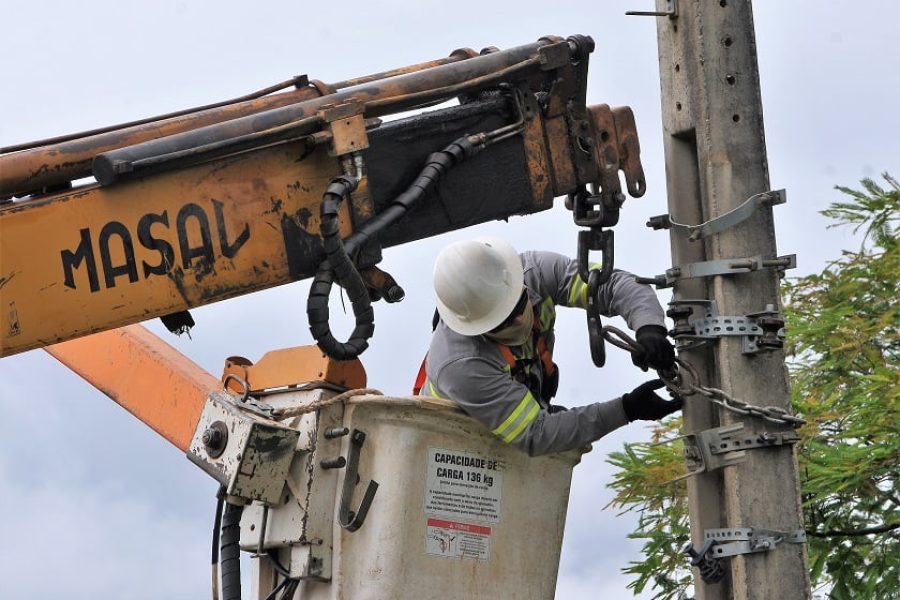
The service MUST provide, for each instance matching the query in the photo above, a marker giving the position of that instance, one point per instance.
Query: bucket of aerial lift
(410, 498)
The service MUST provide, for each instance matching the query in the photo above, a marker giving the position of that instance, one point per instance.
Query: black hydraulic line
(217, 523)
(338, 264)
(276, 564)
(287, 584)
(435, 168)
(231, 551)
(274, 593)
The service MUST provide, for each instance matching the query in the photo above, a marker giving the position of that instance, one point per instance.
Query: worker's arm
(484, 389)
(620, 296)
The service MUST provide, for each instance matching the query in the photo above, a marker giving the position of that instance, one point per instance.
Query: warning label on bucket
(461, 485)
(457, 540)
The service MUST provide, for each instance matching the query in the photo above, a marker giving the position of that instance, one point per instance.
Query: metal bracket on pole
(748, 540)
(722, 222)
(763, 330)
(713, 268)
(719, 447)
(722, 543)
(671, 11)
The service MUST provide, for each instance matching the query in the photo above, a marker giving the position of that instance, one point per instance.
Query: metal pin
(671, 11)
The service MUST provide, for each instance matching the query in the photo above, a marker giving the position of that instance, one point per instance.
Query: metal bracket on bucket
(351, 520)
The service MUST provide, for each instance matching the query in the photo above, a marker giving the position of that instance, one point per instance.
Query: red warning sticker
(457, 540)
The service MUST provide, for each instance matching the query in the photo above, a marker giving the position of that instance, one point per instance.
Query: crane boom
(231, 208)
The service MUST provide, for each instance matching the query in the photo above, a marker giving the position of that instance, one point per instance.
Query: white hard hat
(477, 283)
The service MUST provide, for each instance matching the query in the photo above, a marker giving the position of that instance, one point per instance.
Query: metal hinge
(760, 331)
(719, 447)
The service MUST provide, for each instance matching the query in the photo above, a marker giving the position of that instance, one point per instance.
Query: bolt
(215, 438)
(337, 462)
(211, 437)
(335, 432)
(659, 222)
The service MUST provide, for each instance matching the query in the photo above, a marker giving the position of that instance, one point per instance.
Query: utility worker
(492, 348)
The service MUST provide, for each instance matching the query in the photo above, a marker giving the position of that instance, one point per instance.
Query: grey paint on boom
(715, 159)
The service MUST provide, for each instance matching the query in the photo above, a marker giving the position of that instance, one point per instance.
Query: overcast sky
(95, 505)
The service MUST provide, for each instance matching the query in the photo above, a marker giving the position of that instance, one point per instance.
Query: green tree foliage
(843, 328)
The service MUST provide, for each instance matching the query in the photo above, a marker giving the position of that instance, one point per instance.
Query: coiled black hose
(337, 252)
(230, 557)
(337, 263)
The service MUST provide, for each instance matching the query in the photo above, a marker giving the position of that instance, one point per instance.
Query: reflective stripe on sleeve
(579, 288)
(520, 418)
(578, 292)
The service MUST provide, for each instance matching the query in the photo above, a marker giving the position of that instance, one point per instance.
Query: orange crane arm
(145, 376)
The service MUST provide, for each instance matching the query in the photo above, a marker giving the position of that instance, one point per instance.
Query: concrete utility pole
(715, 161)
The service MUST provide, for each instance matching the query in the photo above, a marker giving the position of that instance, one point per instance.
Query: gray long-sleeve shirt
(472, 371)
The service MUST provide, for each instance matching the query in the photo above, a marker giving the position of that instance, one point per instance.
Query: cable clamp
(715, 268)
(722, 222)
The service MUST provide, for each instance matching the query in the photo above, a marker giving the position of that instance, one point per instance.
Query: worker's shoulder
(461, 351)
(538, 257)
(546, 272)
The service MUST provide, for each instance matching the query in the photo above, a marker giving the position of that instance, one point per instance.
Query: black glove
(658, 350)
(643, 404)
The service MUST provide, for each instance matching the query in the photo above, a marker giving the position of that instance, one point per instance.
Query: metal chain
(685, 381)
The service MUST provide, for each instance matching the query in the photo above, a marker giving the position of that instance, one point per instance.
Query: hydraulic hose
(435, 168)
(217, 524)
(337, 252)
(337, 263)
(230, 552)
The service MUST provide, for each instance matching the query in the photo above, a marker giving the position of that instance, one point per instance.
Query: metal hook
(349, 519)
